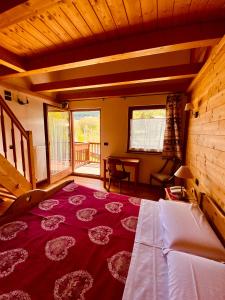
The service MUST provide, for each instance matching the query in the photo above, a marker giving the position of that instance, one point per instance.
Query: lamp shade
(183, 172)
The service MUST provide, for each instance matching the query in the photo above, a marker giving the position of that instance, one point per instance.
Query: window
(146, 128)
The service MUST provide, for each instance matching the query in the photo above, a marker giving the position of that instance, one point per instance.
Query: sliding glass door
(59, 143)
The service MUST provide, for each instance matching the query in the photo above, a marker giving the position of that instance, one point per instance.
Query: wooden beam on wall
(150, 75)
(18, 89)
(11, 60)
(125, 91)
(216, 51)
(163, 41)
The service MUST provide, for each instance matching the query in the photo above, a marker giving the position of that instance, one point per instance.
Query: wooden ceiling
(39, 36)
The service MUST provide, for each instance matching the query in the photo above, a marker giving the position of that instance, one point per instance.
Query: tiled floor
(90, 169)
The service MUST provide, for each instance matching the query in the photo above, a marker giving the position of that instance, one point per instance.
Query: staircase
(17, 172)
(6, 199)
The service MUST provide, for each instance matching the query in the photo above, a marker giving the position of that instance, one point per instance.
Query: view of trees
(87, 126)
(149, 114)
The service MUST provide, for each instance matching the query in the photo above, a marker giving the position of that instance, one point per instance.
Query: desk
(127, 161)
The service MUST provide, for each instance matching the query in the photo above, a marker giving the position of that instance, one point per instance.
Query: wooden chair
(115, 174)
(165, 176)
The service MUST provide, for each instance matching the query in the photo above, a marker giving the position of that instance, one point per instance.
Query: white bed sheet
(149, 228)
(192, 277)
(148, 274)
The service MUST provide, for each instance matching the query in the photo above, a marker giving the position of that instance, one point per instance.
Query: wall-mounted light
(190, 107)
(22, 101)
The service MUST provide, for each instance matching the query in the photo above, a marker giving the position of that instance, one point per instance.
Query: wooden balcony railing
(26, 143)
(85, 153)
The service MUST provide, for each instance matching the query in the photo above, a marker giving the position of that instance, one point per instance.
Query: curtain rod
(144, 95)
(131, 96)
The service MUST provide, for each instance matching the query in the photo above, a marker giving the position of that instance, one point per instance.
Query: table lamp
(184, 173)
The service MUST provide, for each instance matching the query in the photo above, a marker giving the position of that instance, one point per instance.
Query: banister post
(88, 153)
(30, 150)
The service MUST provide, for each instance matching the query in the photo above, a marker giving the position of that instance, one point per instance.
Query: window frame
(130, 111)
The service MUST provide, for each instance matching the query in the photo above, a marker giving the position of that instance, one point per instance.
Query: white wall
(31, 117)
(114, 129)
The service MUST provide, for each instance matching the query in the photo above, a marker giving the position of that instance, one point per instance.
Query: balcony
(87, 158)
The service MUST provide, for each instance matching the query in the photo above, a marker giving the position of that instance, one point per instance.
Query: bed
(190, 268)
(73, 242)
(76, 244)
(147, 278)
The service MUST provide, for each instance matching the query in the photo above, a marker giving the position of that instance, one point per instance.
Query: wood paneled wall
(206, 133)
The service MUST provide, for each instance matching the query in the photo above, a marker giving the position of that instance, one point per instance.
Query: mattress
(147, 276)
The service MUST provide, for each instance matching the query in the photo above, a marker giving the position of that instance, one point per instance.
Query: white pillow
(193, 277)
(185, 228)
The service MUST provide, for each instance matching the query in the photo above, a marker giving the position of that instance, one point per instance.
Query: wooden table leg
(136, 174)
(104, 174)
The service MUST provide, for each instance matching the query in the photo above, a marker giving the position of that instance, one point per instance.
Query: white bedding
(149, 229)
(147, 276)
(185, 228)
(155, 274)
(194, 277)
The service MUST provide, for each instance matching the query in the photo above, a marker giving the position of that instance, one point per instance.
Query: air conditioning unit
(8, 95)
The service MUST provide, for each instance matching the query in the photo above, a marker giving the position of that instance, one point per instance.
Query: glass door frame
(72, 133)
(68, 171)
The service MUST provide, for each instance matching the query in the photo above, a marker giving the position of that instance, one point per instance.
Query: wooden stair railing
(25, 137)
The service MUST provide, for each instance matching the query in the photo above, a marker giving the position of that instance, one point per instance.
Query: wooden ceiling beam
(150, 75)
(9, 4)
(4, 70)
(160, 41)
(11, 60)
(170, 87)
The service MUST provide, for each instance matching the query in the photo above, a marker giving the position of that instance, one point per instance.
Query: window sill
(144, 152)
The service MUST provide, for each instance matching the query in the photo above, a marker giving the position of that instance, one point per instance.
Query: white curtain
(59, 137)
(147, 134)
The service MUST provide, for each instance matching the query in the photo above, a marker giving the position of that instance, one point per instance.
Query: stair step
(11, 179)
(4, 193)
(2, 189)
(7, 195)
(6, 199)
(4, 205)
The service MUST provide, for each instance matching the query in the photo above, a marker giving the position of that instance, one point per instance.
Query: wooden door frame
(64, 173)
(73, 171)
